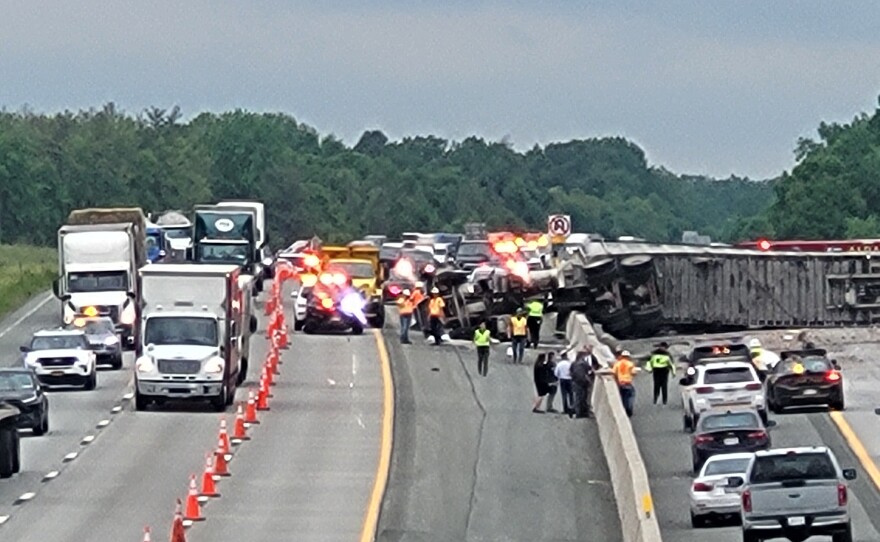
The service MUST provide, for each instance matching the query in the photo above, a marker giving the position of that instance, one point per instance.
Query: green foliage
(317, 185)
(24, 272)
(834, 190)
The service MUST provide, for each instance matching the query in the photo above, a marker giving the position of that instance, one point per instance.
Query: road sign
(559, 226)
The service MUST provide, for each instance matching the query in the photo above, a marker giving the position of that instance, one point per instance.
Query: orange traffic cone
(209, 488)
(147, 534)
(193, 508)
(224, 436)
(268, 374)
(178, 529)
(263, 396)
(221, 466)
(272, 361)
(250, 415)
(239, 432)
(283, 343)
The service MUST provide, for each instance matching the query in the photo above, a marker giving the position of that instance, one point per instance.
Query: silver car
(103, 340)
(711, 496)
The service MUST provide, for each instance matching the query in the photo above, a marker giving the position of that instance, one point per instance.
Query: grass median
(24, 272)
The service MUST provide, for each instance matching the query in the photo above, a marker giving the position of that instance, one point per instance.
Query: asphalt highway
(666, 451)
(471, 462)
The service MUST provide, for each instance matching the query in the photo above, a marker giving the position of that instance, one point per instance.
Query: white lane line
(331, 381)
(3, 519)
(71, 456)
(128, 396)
(87, 439)
(26, 315)
(116, 409)
(26, 497)
(51, 476)
(361, 422)
(103, 423)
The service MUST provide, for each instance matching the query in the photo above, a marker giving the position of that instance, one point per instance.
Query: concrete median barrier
(626, 467)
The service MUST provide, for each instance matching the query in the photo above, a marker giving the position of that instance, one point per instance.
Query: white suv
(62, 358)
(720, 385)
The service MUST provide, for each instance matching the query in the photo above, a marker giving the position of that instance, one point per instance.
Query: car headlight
(214, 366)
(145, 365)
(31, 362)
(111, 341)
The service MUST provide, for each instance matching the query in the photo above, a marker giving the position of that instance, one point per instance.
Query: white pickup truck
(795, 493)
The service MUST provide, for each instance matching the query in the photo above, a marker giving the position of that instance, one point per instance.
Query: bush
(24, 272)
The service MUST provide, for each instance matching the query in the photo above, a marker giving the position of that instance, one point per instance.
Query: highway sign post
(559, 227)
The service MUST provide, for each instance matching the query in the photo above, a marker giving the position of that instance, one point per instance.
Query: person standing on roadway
(583, 374)
(545, 381)
(406, 306)
(536, 314)
(661, 365)
(624, 370)
(563, 375)
(518, 331)
(435, 312)
(482, 340)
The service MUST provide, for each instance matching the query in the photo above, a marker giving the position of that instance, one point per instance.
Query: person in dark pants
(661, 365)
(545, 381)
(563, 375)
(624, 370)
(583, 374)
(436, 307)
(518, 331)
(482, 340)
(535, 317)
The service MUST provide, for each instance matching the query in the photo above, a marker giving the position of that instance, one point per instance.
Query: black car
(101, 334)
(21, 389)
(472, 254)
(725, 432)
(805, 378)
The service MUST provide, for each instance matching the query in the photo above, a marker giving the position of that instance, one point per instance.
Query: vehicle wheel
(140, 402)
(697, 463)
(749, 536)
(43, 427)
(845, 536)
(838, 405)
(117, 363)
(357, 329)
(8, 452)
(297, 325)
(616, 322)
(242, 372)
(686, 423)
(230, 397)
(308, 328)
(764, 417)
(91, 382)
(218, 403)
(698, 522)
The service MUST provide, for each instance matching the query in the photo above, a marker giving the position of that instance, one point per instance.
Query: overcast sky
(704, 86)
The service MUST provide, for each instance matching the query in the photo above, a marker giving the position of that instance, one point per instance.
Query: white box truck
(99, 253)
(196, 324)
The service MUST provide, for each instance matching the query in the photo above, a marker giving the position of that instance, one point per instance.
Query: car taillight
(841, 495)
(700, 487)
(832, 376)
(703, 439)
(754, 386)
(757, 435)
(747, 501)
(705, 389)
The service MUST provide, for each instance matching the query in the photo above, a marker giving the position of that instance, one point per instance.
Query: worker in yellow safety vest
(536, 315)
(436, 306)
(482, 340)
(661, 365)
(519, 334)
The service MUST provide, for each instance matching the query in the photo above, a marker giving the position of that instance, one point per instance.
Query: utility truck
(227, 234)
(197, 321)
(99, 254)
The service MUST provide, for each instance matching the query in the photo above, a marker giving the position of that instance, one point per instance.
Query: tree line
(315, 184)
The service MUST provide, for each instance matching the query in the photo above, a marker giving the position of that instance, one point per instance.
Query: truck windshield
(237, 254)
(355, 270)
(181, 330)
(97, 282)
(793, 466)
(474, 249)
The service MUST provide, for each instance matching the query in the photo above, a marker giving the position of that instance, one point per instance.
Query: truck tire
(843, 536)
(601, 272)
(616, 322)
(242, 372)
(637, 269)
(218, 402)
(749, 536)
(117, 363)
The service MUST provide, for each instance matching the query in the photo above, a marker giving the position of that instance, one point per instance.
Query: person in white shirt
(563, 374)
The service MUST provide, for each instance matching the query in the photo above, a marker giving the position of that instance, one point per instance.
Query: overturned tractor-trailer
(636, 289)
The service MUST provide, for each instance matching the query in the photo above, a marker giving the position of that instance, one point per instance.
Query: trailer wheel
(637, 269)
(601, 272)
(10, 462)
(616, 322)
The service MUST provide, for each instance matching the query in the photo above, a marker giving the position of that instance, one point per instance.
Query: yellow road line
(371, 520)
(857, 447)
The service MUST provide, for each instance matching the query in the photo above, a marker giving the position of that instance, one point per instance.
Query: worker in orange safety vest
(436, 307)
(406, 305)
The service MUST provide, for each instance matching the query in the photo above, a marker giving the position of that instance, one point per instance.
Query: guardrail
(625, 465)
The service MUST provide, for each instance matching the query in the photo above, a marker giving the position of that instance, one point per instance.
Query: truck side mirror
(56, 287)
(24, 349)
(850, 474)
(130, 294)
